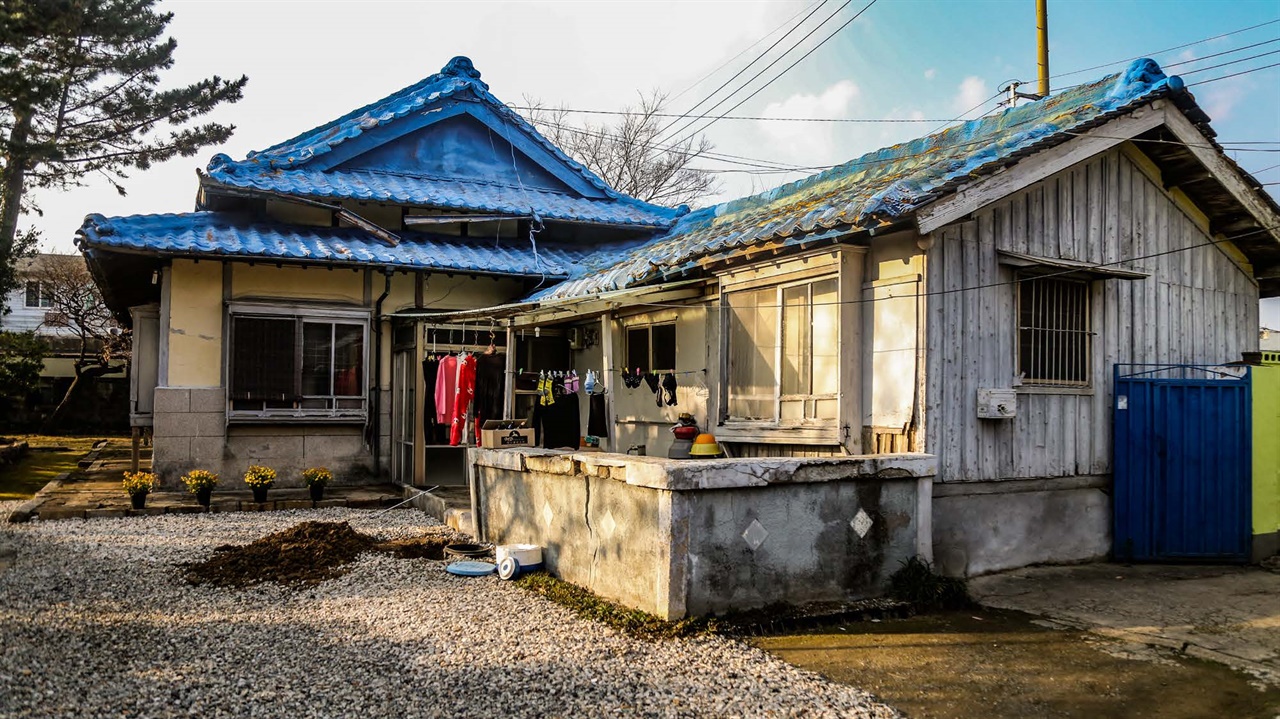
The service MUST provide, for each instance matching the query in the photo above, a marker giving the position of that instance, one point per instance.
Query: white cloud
(930, 73)
(809, 142)
(1221, 99)
(972, 91)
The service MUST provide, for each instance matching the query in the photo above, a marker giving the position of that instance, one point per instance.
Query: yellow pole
(1042, 45)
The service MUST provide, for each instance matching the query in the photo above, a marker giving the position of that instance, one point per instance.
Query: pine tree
(80, 94)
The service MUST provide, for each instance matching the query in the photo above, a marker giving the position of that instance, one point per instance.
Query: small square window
(1054, 337)
(652, 348)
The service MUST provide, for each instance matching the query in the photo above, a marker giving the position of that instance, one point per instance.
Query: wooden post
(509, 377)
(136, 438)
(607, 377)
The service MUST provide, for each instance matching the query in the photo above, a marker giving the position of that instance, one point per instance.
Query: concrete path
(1225, 614)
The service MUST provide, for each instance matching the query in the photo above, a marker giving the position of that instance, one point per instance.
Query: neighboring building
(102, 407)
(1269, 340)
(965, 294)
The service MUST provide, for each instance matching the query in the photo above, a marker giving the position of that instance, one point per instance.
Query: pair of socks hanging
(664, 388)
(545, 395)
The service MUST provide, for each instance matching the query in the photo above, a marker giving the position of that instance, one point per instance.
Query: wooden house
(963, 295)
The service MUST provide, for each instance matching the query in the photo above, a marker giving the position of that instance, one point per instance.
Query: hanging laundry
(561, 423)
(430, 373)
(631, 379)
(597, 416)
(590, 383)
(466, 391)
(651, 379)
(446, 387)
(669, 390)
(490, 371)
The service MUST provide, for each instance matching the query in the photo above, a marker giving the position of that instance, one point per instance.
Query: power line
(758, 58)
(698, 116)
(1224, 52)
(801, 59)
(1168, 49)
(1232, 62)
(743, 52)
(1234, 74)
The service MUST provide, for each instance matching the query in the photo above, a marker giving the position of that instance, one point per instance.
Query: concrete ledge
(685, 474)
(1010, 486)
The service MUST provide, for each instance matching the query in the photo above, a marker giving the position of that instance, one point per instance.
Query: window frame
(777, 422)
(648, 328)
(1044, 385)
(301, 316)
(44, 299)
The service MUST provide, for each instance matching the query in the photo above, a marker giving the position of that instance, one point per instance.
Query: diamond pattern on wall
(755, 534)
(861, 523)
(608, 525)
(547, 514)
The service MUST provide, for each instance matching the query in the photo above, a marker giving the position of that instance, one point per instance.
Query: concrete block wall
(984, 527)
(191, 432)
(678, 538)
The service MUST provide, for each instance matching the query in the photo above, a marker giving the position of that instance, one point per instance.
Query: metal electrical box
(997, 404)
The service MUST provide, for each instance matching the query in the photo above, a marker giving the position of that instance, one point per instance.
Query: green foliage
(21, 359)
(916, 582)
(631, 621)
(80, 94)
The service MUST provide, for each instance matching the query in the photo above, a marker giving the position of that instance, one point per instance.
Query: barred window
(289, 366)
(1054, 337)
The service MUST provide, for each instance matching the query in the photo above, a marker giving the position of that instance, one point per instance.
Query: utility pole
(1042, 45)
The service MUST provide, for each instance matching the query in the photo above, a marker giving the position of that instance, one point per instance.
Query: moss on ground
(634, 622)
(47, 458)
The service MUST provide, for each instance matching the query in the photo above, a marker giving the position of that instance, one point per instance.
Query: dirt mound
(307, 553)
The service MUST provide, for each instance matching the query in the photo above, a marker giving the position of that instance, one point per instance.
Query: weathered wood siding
(1198, 306)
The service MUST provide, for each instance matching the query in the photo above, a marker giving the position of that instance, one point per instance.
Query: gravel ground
(96, 621)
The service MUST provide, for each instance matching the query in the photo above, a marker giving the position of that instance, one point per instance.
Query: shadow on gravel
(998, 664)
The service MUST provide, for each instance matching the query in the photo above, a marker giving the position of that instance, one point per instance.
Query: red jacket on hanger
(462, 400)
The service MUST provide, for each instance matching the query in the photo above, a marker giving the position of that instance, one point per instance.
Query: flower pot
(317, 492)
(203, 496)
(139, 500)
(259, 494)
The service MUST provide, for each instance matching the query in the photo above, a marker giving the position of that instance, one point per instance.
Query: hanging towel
(430, 373)
(597, 422)
(446, 387)
(465, 392)
(668, 395)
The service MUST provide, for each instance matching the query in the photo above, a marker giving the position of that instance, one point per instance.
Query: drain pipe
(377, 374)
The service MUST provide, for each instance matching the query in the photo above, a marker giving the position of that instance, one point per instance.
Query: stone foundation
(191, 432)
(690, 537)
(983, 527)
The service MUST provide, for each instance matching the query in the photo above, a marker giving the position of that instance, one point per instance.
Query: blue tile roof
(452, 194)
(223, 234)
(283, 167)
(878, 188)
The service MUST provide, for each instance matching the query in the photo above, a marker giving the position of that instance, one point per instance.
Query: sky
(310, 61)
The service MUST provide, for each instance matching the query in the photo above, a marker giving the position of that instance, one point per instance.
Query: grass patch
(634, 622)
(38, 468)
(917, 583)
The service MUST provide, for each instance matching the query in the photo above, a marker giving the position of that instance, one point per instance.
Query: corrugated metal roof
(878, 188)
(223, 234)
(282, 167)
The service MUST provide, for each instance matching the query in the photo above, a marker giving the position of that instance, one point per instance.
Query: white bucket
(528, 555)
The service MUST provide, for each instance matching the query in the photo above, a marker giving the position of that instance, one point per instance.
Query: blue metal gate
(1182, 463)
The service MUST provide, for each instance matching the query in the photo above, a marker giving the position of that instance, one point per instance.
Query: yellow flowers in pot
(199, 479)
(258, 476)
(136, 483)
(316, 475)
